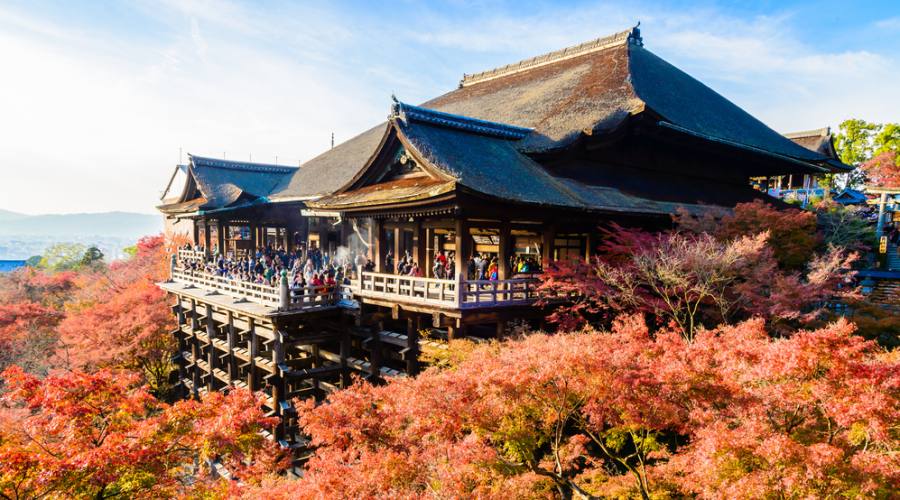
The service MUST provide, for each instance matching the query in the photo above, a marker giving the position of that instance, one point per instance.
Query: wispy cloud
(93, 117)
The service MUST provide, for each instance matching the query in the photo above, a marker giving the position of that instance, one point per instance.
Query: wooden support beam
(378, 246)
(547, 237)
(206, 237)
(463, 252)
(420, 254)
(503, 270)
(210, 353)
(374, 342)
(253, 348)
(412, 344)
(398, 235)
(232, 362)
(220, 236)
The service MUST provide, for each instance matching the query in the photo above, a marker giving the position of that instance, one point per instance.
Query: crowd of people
(479, 267)
(315, 268)
(265, 265)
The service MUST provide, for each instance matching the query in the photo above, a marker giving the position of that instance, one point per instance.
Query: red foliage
(883, 170)
(26, 334)
(100, 435)
(693, 279)
(731, 414)
(795, 230)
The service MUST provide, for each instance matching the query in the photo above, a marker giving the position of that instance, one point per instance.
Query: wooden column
(428, 264)
(195, 350)
(345, 352)
(375, 352)
(503, 271)
(421, 252)
(206, 237)
(252, 347)
(370, 232)
(211, 349)
(232, 363)
(547, 237)
(412, 345)
(588, 242)
(253, 238)
(398, 233)
(462, 246)
(196, 233)
(378, 246)
(220, 236)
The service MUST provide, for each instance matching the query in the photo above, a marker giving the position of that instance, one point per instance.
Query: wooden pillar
(206, 237)
(252, 347)
(428, 263)
(547, 237)
(588, 242)
(220, 236)
(371, 254)
(277, 382)
(196, 233)
(503, 270)
(421, 252)
(462, 246)
(412, 345)
(345, 352)
(195, 350)
(398, 233)
(211, 349)
(288, 237)
(232, 363)
(378, 245)
(253, 238)
(375, 352)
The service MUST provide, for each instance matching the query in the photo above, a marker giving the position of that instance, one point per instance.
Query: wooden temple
(518, 166)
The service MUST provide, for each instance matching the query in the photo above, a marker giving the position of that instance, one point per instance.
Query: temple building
(802, 187)
(479, 189)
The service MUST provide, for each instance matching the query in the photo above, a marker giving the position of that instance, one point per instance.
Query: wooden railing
(443, 293)
(191, 255)
(289, 299)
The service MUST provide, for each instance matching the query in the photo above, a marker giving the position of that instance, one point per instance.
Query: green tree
(91, 256)
(887, 139)
(33, 261)
(63, 256)
(858, 141)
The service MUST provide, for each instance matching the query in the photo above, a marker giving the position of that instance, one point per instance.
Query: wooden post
(196, 233)
(252, 346)
(547, 237)
(345, 352)
(398, 233)
(503, 271)
(378, 246)
(220, 236)
(195, 325)
(253, 239)
(587, 247)
(412, 345)
(206, 238)
(462, 246)
(211, 351)
(375, 352)
(428, 268)
(232, 363)
(421, 250)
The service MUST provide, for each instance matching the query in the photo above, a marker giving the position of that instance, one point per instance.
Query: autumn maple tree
(102, 435)
(621, 413)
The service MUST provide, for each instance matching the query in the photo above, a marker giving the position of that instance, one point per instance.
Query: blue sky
(98, 97)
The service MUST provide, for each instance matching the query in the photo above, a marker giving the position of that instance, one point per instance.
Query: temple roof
(819, 140)
(215, 184)
(480, 157)
(586, 90)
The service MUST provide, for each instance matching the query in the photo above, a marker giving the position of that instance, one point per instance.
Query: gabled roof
(216, 184)
(586, 90)
(820, 141)
(480, 157)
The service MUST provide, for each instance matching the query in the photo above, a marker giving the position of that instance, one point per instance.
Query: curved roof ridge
(240, 165)
(630, 35)
(819, 132)
(408, 112)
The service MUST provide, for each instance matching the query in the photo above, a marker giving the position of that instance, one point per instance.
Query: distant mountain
(7, 216)
(110, 224)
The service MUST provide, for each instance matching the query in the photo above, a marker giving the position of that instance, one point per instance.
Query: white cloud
(93, 120)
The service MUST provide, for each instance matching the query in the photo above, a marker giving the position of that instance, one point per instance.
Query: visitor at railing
(264, 266)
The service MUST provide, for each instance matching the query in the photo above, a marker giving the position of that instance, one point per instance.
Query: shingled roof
(481, 157)
(820, 141)
(216, 184)
(588, 89)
